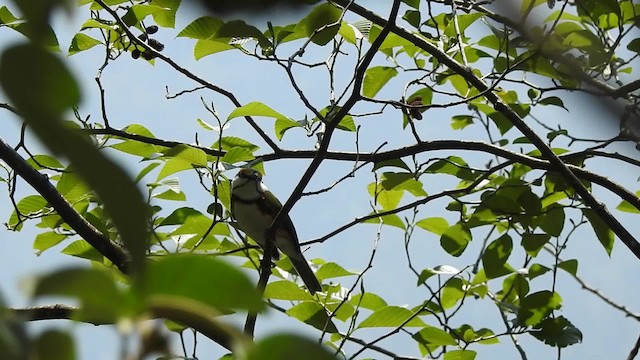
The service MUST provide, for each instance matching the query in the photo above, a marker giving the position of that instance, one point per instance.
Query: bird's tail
(307, 275)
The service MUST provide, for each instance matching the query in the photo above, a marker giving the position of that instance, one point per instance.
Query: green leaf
(436, 225)
(55, 344)
(570, 266)
(313, 314)
(40, 162)
(390, 220)
(533, 243)
(209, 47)
(240, 29)
(29, 205)
(602, 230)
(459, 122)
(368, 300)
(284, 124)
(47, 240)
(288, 346)
(166, 17)
(194, 276)
(332, 270)
(537, 306)
(321, 16)
(82, 249)
(188, 154)
(82, 42)
(628, 207)
(236, 155)
(453, 292)
(391, 316)
(202, 28)
(6, 17)
(375, 78)
(229, 142)
(494, 259)
(553, 221)
(432, 336)
(255, 109)
(553, 100)
(455, 239)
(95, 289)
(536, 270)
(459, 355)
(285, 290)
(391, 163)
(557, 332)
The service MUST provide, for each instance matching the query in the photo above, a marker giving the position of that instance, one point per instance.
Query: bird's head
(248, 184)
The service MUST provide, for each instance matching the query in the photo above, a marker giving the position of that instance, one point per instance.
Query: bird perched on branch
(254, 208)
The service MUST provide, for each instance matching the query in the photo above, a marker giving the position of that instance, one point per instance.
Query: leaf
(288, 346)
(166, 17)
(55, 344)
(82, 42)
(391, 316)
(533, 243)
(553, 221)
(570, 266)
(459, 355)
(455, 239)
(452, 293)
(368, 300)
(209, 47)
(537, 306)
(375, 78)
(321, 16)
(194, 276)
(436, 225)
(285, 290)
(255, 109)
(284, 124)
(95, 290)
(494, 259)
(602, 230)
(432, 336)
(557, 332)
(229, 142)
(202, 28)
(628, 207)
(553, 100)
(47, 240)
(82, 249)
(313, 314)
(332, 270)
(390, 220)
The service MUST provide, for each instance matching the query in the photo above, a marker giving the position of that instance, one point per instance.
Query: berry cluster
(155, 44)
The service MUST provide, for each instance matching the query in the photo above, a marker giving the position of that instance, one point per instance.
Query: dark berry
(147, 55)
(135, 53)
(152, 29)
(143, 37)
(156, 44)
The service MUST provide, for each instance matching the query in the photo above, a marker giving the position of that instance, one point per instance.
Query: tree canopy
(455, 160)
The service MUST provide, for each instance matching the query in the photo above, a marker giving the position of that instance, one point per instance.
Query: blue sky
(136, 94)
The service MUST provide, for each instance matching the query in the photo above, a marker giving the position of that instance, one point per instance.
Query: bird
(254, 208)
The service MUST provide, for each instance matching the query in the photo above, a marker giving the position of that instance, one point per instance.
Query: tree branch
(41, 184)
(557, 164)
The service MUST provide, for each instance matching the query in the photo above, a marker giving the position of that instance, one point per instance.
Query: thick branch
(42, 185)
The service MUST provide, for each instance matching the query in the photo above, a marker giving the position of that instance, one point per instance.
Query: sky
(135, 93)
